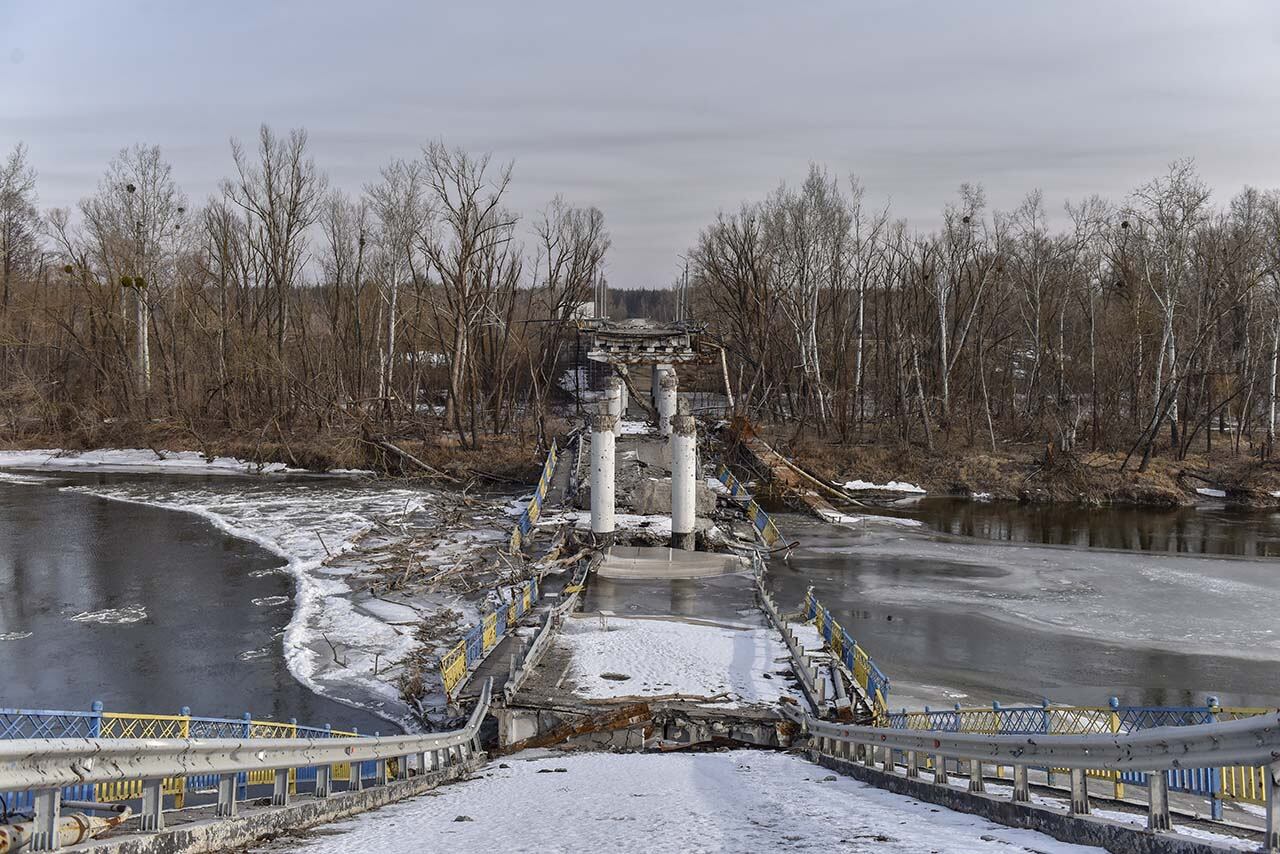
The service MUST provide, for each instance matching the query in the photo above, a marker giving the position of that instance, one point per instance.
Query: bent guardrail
(863, 668)
(481, 638)
(531, 513)
(760, 521)
(1253, 741)
(45, 767)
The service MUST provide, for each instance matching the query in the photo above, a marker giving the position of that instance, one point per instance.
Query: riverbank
(1028, 474)
(419, 449)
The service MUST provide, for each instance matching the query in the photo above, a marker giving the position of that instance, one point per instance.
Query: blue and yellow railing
(529, 517)
(98, 723)
(764, 527)
(480, 640)
(1243, 784)
(864, 669)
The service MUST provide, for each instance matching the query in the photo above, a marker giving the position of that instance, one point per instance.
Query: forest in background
(422, 305)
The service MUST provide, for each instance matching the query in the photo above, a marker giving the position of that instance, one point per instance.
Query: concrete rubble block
(652, 497)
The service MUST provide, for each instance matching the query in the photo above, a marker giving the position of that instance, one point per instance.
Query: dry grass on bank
(1027, 473)
(510, 457)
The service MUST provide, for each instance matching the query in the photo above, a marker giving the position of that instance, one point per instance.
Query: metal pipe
(67, 830)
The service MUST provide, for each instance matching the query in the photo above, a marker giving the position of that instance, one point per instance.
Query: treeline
(1148, 323)
(282, 301)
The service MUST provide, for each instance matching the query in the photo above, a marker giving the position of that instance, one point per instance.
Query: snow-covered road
(738, 801)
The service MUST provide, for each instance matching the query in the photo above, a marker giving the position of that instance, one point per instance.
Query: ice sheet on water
(112, 616)
(1186, 603)
(329, 645)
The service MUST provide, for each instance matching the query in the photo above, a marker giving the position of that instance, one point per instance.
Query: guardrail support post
(913, 764)
(1271, 832)
(323, 775)
(940, 770)
(423, 768)
(44, 833)
(227, 795)
(869, 755)
(1158, 802)
(975, 776)
(380, 772)
(1021, 788)
(280, 792)
(152, 805)
(1079, 792)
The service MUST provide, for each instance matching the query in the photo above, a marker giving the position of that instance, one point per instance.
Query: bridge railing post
(48, 805)
(152, 805)
(1079, 792)
(1158, 802)
(1021, 788)
(1271, 831)
(226, 795)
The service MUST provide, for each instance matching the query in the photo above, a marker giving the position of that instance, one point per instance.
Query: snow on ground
(737, 801)
(867, 519)
(136, 460)
(659, 526)
(891, 486)
(307, 524)
(658, 657)
(635, 428)
(1211, 493)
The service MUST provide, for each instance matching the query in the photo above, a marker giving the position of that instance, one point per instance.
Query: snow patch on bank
(136, 460)
(891, 486)
(1208, 492)
(737, 802)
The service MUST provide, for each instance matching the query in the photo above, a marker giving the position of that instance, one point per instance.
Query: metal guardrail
(810, 677)
(480, 639)
(530, 516)
(764, 527)
(98, 723)
(1253, 741)
(864, 669)
(45, 766)
(1244, 784)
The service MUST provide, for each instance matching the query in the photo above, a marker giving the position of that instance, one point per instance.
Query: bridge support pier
(613, 392)
(602, 480)
(684, 472)
(1021, 788)
(666, 392)
(227, 795)
(1079, 792)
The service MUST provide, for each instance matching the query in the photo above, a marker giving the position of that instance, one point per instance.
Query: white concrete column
(613, 402)
(624, 375)
(602, 481)
(655, 378)
(684, 473)
(668, 393)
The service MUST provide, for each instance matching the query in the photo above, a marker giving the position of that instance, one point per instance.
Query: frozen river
(968, 618)
(110, 594)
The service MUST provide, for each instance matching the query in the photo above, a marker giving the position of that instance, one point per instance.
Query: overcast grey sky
(661, 113)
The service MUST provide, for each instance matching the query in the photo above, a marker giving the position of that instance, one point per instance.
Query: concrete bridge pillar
(623, 376)
(684, 473)
(602, 480)
(668, 393)
(613, 391)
